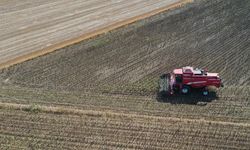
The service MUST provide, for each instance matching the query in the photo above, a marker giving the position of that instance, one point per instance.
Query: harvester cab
(183, 80)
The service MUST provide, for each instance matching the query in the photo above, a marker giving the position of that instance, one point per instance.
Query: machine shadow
(194, 98)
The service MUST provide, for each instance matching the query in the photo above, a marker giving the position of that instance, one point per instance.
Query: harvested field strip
(63, 110)
(225, 108)
(35, 52)
(123, 130)
(219, 117)
(95, 136)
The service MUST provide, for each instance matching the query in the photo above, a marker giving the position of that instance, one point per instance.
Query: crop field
(29, 29)
(102, 93)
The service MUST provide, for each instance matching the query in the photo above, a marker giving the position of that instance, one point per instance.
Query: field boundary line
(107, 113)
(89, 35)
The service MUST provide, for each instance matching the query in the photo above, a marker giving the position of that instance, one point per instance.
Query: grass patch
(100, 42)
(32, 108)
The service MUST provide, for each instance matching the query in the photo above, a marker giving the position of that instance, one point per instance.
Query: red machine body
(184, 79)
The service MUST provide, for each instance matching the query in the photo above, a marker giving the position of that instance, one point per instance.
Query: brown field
(102, 93)
(29, 29)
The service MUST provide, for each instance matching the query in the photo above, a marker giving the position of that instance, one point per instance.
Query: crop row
(232, 108)
(129, 132)
(197, 36)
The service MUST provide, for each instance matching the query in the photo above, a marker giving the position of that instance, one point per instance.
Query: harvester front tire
(185, 89)
(205, 93)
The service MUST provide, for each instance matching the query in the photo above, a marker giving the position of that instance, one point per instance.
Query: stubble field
(102, 93)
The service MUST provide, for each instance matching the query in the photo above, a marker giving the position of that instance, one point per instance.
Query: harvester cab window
(198, 72)
(204, 72)
(178, 78)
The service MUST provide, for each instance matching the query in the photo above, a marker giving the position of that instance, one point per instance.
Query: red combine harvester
(185, 79)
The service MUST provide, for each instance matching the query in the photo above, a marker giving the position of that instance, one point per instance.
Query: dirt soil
(102, 93)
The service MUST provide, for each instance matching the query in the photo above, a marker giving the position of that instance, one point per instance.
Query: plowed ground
(102, 93)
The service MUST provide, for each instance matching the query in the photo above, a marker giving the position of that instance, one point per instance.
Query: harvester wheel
(205, 93)
(185, 89)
